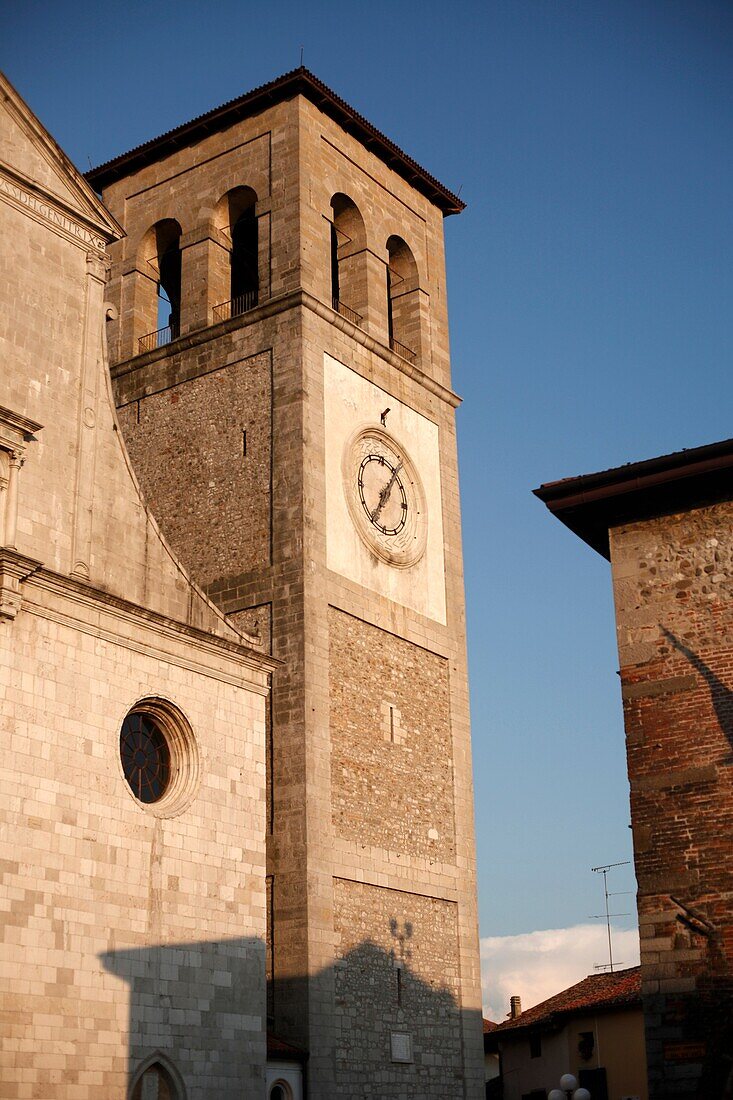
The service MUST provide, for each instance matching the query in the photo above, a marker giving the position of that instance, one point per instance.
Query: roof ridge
(296, 81)
(616, 988)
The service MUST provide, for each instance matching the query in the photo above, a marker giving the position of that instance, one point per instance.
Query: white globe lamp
(568, 1090)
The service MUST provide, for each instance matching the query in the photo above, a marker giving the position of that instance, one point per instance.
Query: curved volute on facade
(74, 507)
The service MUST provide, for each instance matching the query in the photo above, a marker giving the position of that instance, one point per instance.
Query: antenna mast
(603, 870)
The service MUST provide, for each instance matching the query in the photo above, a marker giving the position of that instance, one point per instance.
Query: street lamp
(568, 1090)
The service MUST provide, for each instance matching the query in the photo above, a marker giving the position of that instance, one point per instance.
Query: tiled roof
(489, 1025)
(597, 991)
(297, 82)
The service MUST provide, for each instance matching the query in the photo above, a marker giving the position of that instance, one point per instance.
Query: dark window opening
(145, 756)
(390, 312)
(167, 234)
(403, 312)
(169, 287)
(347, 243)
(586, 1044)
(595, 1081)
(335, 286)
(245, 278)
(535, 1045)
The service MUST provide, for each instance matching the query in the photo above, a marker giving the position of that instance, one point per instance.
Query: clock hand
(383, 496)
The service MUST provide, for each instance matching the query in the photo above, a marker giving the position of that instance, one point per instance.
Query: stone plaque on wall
(401, 1042)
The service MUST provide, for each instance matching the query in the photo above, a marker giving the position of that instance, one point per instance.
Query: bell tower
(281, 370)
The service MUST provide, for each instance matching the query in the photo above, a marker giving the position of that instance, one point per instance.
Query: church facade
(201, 859)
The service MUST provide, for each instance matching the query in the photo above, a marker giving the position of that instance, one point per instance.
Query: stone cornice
(14, 569)
(84, 606)
(27, 428)
(295, 299)
(51, 211)
(16, 431)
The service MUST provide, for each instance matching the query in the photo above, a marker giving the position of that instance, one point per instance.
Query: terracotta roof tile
(597, 991)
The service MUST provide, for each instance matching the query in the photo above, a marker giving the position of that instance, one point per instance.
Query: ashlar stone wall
(124, 932)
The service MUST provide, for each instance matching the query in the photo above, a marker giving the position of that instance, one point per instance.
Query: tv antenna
(603, 870)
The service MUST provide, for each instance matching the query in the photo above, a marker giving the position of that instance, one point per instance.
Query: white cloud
(536, 965)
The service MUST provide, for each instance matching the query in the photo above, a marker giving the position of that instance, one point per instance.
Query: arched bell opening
(403, 305)
(159, 263)
(348, 259)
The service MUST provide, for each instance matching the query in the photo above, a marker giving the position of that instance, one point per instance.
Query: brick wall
(674, 597)
(391, 774)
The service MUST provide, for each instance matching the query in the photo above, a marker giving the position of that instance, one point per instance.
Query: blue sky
(589, 288)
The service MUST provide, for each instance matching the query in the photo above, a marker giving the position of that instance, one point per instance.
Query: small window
(535, 1044)
(586, 1044)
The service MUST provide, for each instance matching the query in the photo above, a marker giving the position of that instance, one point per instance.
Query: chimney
(515, 1007)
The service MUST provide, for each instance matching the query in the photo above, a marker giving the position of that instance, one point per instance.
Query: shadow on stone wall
(197, 1011)
(197, 1024)
(720, 696)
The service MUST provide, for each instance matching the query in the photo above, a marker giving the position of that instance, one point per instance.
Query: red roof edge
(596, 993)
(297, 82)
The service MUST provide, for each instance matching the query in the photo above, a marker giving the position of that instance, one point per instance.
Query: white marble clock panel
(352, 402)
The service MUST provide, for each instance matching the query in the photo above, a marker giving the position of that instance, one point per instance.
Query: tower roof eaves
(297, 82)
(593, 503)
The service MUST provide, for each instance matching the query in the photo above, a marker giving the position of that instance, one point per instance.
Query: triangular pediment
(30, 156)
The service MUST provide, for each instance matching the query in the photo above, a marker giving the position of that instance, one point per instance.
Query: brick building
(665, 526)
(278, 345)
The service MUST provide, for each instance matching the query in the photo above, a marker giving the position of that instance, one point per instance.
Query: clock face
(385, 497)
